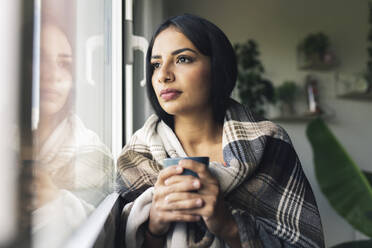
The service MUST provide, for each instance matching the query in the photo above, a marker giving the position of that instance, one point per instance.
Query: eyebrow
(176, 52)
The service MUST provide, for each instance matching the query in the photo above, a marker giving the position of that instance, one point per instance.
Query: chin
(49, 109)
(171, 107)
(177, 111)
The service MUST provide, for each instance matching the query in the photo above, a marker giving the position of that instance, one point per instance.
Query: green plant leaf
(368, 176)
(339, 178)
(355, 244)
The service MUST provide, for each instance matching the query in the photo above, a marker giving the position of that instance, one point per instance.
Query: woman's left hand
(214, 212)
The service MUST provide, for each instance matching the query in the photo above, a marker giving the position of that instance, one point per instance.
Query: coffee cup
(174, 161)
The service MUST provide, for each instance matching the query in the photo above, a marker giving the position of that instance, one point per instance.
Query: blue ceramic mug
(174, 161)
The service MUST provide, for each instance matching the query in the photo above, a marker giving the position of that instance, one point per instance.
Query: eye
(155, 65)
(65, 64)
(184, 59)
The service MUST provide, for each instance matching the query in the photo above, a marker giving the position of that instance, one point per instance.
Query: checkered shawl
(262, 179)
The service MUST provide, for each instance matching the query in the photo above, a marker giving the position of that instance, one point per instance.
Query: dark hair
(211, 42)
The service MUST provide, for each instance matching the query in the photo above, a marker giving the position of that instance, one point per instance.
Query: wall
(278, 27)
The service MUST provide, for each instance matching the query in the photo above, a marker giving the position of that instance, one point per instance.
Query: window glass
(74, 167)
(9, 124)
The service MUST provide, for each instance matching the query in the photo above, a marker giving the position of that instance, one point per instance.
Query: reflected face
(55, 70)
(181, 77)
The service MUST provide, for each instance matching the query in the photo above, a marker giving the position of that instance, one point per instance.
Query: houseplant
(316, 45)
(254, 90)
(348, 189)
(285, 95)
(314, 52)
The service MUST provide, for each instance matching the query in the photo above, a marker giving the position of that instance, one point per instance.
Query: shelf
(357, 96)
(296, 118)
(317, 66)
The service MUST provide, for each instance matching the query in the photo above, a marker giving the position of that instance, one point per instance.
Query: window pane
(74, 166)
(10, 18)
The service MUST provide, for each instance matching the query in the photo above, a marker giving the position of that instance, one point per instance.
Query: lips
(49, 93)
(169, 94)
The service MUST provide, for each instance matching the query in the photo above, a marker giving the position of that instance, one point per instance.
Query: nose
(166, 74)
(49, 71)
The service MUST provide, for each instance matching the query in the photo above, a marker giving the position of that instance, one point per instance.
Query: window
(72, 116)
(63, 118)
(9, 125)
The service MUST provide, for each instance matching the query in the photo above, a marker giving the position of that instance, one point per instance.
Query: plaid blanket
(262, 179)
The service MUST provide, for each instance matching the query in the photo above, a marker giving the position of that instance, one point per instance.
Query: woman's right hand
(162, 214)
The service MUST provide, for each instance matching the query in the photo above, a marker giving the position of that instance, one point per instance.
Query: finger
(161, 191)
(186, 204)
(210, 190)
(199, 168)
(174, 197)
(204, 211)
(178, 216)
(207, 209)
(180, 178)
(179, 201)
(183, 186)
(168, 172)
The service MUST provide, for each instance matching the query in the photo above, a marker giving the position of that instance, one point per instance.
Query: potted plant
(254, 90)
(286, 94)
(315, 51)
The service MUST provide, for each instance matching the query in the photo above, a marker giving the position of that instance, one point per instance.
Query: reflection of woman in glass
(253, 194)
(73, 170)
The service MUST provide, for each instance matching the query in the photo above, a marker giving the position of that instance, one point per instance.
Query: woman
(254, 192)
(66, 149)
(73, 169)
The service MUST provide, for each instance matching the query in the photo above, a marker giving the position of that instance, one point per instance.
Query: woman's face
(55, 70)
(181, 77)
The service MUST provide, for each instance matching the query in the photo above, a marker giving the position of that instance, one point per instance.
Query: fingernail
(179, 169)
(196, 184)
(166, 182)
(198, 202)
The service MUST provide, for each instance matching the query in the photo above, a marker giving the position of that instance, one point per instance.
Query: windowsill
(87, 234)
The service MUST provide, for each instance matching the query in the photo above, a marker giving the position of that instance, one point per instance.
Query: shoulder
(148, 128)
(149, 125)
(242, 121)
(140, 139)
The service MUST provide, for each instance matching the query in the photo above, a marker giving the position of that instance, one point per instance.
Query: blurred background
(72, 95)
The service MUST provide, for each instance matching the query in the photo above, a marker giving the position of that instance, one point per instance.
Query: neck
(197, 130)
(46, 126)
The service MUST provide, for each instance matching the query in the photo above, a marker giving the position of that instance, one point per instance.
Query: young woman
(253, 193)
(73, 169)
(66, 150)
